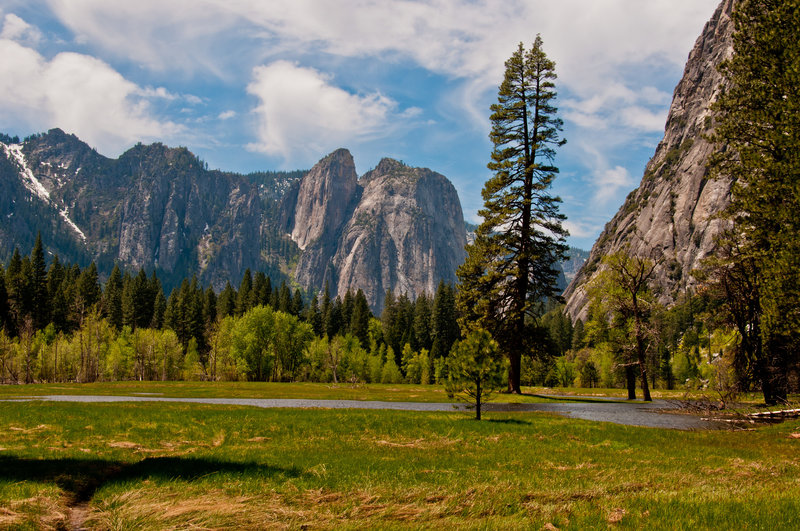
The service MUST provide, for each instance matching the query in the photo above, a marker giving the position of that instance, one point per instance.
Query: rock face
(401, 228)
(670, 216)
(325, 199)
(154, 207)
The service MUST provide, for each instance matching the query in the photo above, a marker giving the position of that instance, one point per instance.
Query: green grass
(155, 466)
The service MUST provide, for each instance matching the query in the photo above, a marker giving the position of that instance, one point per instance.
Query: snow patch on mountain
(65, 216)
(17, 157)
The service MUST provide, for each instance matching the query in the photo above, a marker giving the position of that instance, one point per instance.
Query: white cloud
(226, 115)
(579, 229)
(301, 114)
(79, 94)
(467, 39)
(597, 45)
(643, 119)
(157, 93)
(16, 29)
(618, 106)
(610, 181)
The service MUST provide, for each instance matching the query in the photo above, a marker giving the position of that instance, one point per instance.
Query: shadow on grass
(81, 478)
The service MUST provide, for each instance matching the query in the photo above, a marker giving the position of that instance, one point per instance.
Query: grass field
(154, 466)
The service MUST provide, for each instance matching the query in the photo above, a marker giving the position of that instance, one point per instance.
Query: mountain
(397, 227)
(154, 207)
(162, 209)
(572, 265)
(670, 216)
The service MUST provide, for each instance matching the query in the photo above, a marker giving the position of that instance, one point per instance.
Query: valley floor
(208, 466)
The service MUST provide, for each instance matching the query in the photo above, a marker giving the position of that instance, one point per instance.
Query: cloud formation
(76, 92)
(16, 29)
(302, 113)
(462, 40)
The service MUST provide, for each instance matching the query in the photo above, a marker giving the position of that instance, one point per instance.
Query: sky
(251, 85)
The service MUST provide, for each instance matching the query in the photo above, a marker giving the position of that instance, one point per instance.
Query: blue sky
(277, 84)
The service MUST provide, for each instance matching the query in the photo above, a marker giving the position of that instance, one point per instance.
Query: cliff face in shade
(154, 207)
(402, 229)
(670, 216)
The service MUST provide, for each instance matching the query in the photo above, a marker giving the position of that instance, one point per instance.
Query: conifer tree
(88, 290)
(297, 303)
(243, 296)
(3, 301)
(359, 320)
(284, 299)
(757, 120)
(333, 319)
(226, 302)
(194, 301)
(15, 290)
(40, 303)
(159, 310)
(59, 308)
(112, 298)
(128, 301)
(210, 307)
(314, 316)
(444, 327)
(258, 296)
(422, 323)
(347, 310)
(265, 295)
(325, 309)
(510, 267)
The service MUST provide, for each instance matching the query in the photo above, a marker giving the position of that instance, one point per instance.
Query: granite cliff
(397, 227)
(160, 208)
(670, 216)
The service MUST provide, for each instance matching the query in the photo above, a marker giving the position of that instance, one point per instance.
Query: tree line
(59, 322)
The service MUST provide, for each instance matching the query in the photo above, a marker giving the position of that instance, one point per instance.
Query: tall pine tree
(510, 267)
(112, 298)
(40, 300)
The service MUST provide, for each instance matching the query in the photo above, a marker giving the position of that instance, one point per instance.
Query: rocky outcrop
(325, 199)
(403, 229)
(154, 207)
(670, 217)
(406, 234)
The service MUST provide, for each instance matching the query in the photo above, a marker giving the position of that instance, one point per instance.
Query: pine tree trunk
(630, 376)
(478, 401)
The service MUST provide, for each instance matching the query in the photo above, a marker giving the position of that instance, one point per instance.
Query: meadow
(155, 466)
